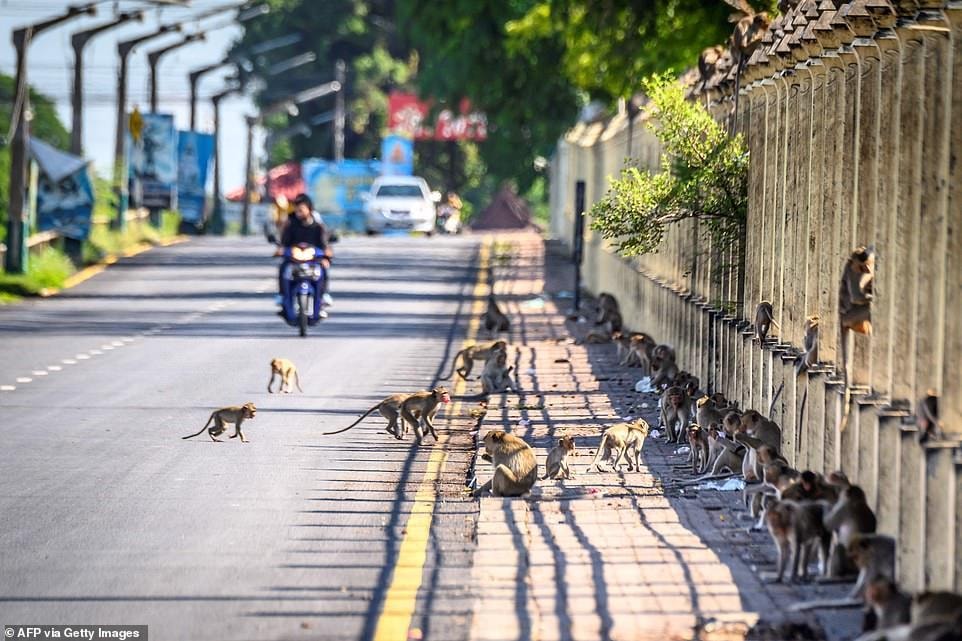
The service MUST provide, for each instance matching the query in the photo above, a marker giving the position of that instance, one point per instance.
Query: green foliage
(703, 176)
(45, 125)
(48, 269)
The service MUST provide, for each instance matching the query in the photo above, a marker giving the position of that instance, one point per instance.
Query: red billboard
(408, 116)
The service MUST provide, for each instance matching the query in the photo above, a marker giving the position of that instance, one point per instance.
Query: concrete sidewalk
(607, 555)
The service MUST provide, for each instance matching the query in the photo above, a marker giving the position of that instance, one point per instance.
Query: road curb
(90, 271)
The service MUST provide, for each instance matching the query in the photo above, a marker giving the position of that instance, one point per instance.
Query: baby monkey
(287, 371)
(558, 459)
(234, 414)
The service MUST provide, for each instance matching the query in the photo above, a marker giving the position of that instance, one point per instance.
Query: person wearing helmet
(305, 226)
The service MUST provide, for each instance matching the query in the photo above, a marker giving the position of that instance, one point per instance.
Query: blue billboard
(336, 189)
(194, 153)
(397, 156)
(153, 162)
(65, 197)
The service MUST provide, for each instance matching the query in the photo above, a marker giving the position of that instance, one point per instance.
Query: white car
(400, 202)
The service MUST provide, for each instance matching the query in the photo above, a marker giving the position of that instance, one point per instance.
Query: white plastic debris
(729, 485)
(524, 423)
(627, 418)
(655, 434)
(684, 449)
(582, 319)
(644, 385)
(644, 406)
(533, 303)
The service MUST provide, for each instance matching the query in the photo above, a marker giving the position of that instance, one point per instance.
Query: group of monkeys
(804, 511)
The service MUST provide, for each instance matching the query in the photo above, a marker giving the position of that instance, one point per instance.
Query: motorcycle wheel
(302, 314)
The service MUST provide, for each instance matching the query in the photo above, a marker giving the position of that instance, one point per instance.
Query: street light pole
(16, 229)
(78, 41)
(153, 59)
(217, 219)
(195, 77)
(340, 73)
(120, 178)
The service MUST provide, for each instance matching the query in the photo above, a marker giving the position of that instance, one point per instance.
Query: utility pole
(194, 78)
(120, 173)
(153, 59)
(340, 73)
(217, 218)
(78, 41)
(16, 225)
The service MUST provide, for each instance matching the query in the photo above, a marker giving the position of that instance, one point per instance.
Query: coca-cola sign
(408, 116)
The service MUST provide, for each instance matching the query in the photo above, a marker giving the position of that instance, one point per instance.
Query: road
(109, 517)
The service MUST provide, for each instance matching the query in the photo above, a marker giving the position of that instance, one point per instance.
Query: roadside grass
(50, 268)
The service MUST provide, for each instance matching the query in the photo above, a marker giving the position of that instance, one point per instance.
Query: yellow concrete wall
(850, 144)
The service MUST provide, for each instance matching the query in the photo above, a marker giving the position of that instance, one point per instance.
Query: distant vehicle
(400, 202)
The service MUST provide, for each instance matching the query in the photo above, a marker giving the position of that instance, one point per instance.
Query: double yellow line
(401, 599)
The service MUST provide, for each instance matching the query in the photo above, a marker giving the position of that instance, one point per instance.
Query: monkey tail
(454, 364)
(297, 381)
(359, 419)
(201, 429)
(775, 398)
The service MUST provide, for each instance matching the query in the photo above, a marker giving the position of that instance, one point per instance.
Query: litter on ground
(729, 485)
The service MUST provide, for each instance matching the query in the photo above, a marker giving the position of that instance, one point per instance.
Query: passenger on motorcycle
(304, 226)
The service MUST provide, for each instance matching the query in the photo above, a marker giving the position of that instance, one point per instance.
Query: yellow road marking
(401, 599)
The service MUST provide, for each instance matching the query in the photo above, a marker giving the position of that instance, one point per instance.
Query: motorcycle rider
(304, 226)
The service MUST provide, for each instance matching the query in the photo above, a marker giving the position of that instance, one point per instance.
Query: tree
(703, 176)
(45, 125)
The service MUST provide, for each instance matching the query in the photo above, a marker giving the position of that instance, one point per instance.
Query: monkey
(623, 346)
(764, 321)
(810, 487)
(808, 358)
(675, 412)
(286, 370)
(793, 527)
(936, 607)
(557, 465)
(709, 409)
(749, 31)
(642, 352)
(422, 407)
(621, 437)
(515, 465)
(495, 319)
(664, 352)
(927, 417)
(724, 454)
(598, 335)
(887, 603)
(855, 295)
(699, 454)
(496, 376)
(809, 355)
(755, 431)
(849, 516)
(472, 353)
(874, 556)
(390, 408)
(707, 62)
(607, 306)
(776, 476)
(665, 371)
(690, 383)
(233, 414)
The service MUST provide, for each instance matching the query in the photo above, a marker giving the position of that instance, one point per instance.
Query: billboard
(194, 153)
(152, 162)
(397, 156)
(65, 197)
(336, 189)
(410, 117)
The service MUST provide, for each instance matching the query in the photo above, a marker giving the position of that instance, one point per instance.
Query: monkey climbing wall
(852, 113)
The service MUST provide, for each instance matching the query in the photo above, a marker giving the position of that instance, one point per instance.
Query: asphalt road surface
(108, 517)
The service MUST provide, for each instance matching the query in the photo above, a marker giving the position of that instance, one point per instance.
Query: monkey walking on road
(472, 353)
(287, 372)
(234, 414)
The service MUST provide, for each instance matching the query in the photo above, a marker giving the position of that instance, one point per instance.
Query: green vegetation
(703, 176)
(48, 270)
(530, 65)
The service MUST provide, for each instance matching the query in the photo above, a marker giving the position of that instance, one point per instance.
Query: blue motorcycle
(303, 287)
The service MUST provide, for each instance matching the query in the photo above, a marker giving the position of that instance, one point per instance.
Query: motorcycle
(301, 301)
